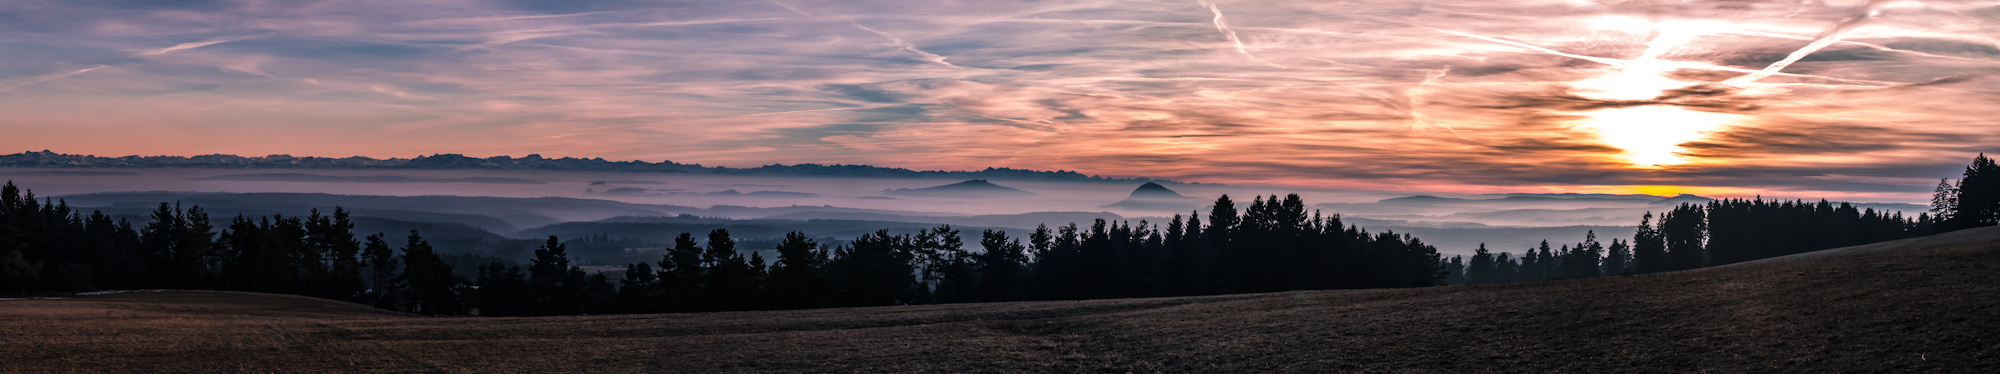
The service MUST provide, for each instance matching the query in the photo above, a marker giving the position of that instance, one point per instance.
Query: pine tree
(1549, 264)
(381, 263)
(798, 279)
(1003, 268)
(681, 272)
(731, 283)
(1480, 269)
(555, 284)
(1531, 266)
(433, 286)
(1195, 259)
(313, 253)
(196, 250)
(640, 291)
(1618, 261)
(1223, 223)
(1685, 232)
(1978, 195)
(504, 291)
(1589, 256)
(1454, 271)
(1505, 268)
(599, 295)
(1649, 247)
(170, 266)
(1944, 205)
(949, 271)
(343, 250)
(16, 272)
(875, 269)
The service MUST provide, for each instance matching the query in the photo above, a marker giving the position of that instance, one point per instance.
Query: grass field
(1933, 309)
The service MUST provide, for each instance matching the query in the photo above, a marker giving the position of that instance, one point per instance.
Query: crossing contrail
(53, 77)
(1222, 24)
(1418, 119)
(904, 45)
(1833, 35)
(204, 43)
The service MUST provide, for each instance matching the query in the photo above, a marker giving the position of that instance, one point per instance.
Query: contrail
(1601, 60)
(1979, 23)
(1873, 46)
(1621, 63)
(904, 45)
(1418, 119)
(53, 77)
(565, 135)
(791, 8)
(1041, 125)
(795, 111)
(1664, 42)
(912, 48)
(516, 18)
(1833, 35)
(1222, 24)
(204, 43)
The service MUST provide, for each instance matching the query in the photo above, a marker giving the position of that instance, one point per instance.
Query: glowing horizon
(1873, 99)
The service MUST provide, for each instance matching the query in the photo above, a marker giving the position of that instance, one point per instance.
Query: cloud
(1318, 94)
(203, 43)
(1894, 181)
(51, 77)
(1222, 24)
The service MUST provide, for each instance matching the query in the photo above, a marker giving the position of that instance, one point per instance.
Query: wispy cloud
(51, 77)
(203, 43)
(904, 45)
(1222, 24)
(1827, 38)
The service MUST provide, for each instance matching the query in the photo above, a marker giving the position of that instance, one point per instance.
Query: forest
(1273, 244)
(1729, 231)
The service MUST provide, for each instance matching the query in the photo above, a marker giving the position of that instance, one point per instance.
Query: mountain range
(48, 159)
(976, 188)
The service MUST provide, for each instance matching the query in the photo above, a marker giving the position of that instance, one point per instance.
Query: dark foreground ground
(1912, 310)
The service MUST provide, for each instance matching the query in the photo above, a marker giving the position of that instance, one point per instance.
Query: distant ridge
(47, 159)
(976, 188)
(1155, 197)
(1152, 190)
(1682, 199)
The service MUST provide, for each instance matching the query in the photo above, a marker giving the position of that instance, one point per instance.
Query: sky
(1864, 100)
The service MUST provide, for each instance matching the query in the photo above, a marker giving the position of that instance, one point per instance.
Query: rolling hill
(1154, 197)
(971, 189)
(1917, 305)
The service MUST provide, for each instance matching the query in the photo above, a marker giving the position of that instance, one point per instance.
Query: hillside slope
(1930, 310)
(1961, 237)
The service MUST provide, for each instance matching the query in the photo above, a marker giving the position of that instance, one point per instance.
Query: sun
(1651, 135)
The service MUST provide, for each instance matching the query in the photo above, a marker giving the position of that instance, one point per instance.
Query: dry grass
(1932, 310)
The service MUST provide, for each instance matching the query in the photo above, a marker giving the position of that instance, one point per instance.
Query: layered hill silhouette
(976, 188)
(1155, 197)
(1920, 305)
(47, 159)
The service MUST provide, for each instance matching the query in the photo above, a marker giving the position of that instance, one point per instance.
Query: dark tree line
(1736, 230)
(47, 246)
(1973, 201)
(1273, 245)
(1699, 235)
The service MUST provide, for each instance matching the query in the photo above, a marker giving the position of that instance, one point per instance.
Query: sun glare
(1651, 135)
